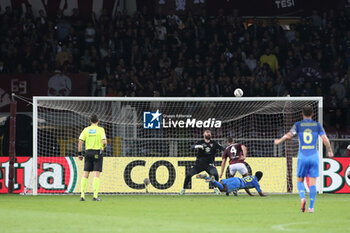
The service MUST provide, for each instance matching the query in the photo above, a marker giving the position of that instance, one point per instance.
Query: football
(238, 92)
(146, 181)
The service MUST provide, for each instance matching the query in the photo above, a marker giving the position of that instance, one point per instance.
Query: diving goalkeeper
(95, 140)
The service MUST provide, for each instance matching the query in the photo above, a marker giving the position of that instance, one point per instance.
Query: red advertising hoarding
(59, 174)
(334, 175)
(55, 174)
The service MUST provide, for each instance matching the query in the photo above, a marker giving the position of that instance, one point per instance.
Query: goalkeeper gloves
(199, 147)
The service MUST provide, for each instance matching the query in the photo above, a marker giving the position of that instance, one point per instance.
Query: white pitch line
(284, 227)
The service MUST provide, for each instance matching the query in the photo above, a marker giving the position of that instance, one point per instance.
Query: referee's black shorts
(93, 161)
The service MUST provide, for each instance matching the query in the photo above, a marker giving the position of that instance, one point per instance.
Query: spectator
(187, 55)
(251, 62)
(270, 59)
(291, 33)
(160, 32)
(63, 29)
(338, 89)
(316, 19)
(90, 34)
(62, 56)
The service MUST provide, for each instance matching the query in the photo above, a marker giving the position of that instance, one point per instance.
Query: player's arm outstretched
(328, 145)
(258, 176)
(324, 137)
(285, 137)
(260, 192)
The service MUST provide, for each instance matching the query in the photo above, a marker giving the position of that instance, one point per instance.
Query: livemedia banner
(29, 85)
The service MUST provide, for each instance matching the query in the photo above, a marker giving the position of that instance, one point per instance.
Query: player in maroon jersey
(236, 153)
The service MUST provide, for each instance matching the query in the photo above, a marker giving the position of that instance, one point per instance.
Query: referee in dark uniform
(207, 149)
(95, 141)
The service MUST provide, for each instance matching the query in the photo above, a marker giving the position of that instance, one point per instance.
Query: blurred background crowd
(158, 54)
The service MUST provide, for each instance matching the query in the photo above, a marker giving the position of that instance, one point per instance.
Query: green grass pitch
(171, 213)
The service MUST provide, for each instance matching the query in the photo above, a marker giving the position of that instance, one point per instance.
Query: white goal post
(150, 137)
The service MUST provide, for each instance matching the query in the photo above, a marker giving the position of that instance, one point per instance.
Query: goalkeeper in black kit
(206, 151)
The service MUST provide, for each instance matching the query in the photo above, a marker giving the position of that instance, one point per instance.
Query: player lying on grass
(235, 183)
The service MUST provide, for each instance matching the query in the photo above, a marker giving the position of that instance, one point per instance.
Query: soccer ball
(238, 92)
(146, 181)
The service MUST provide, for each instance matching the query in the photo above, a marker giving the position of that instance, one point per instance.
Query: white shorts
(240, 167)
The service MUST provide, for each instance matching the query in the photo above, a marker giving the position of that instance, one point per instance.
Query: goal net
(151, 138)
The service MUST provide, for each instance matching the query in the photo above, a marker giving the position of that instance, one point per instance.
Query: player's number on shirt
(307, 135)
(233, 150)
(247, 179)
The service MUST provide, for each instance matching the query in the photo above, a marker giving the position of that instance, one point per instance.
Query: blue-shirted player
(235, 183)
(308, 160)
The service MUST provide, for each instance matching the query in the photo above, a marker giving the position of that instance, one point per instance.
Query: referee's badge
(96, 156)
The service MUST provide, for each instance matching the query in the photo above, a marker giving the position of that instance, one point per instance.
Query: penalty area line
(286, 226)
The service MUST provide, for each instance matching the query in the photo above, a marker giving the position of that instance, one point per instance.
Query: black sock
(187, 180)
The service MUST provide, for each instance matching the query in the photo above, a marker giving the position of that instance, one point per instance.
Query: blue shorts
(308, 165)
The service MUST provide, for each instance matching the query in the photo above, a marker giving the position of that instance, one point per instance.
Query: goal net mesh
(152, 140)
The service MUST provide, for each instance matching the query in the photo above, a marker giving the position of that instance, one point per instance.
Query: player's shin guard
(301, 190)
(217, 184)
(83, 186)
(313, 193)
(96, 184)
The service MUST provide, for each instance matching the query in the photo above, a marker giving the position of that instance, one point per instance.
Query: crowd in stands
(147, 54)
